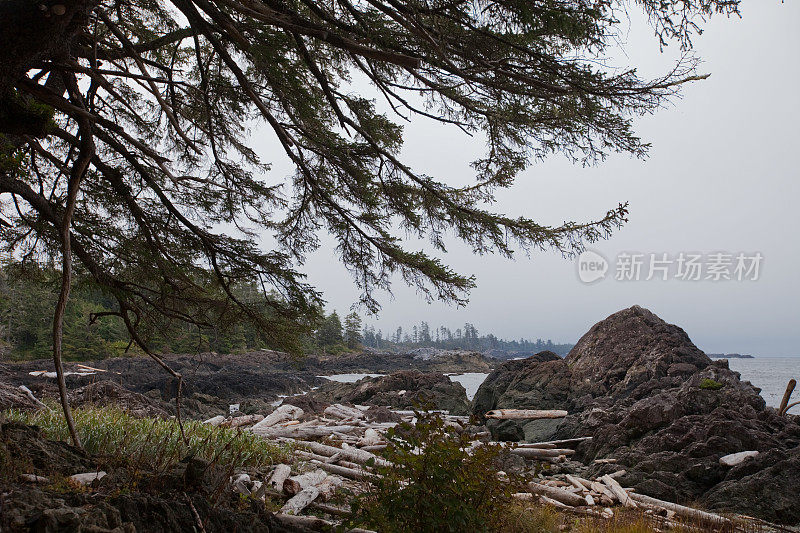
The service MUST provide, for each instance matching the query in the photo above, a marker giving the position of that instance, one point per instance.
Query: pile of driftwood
(597, 497)
(321, 469)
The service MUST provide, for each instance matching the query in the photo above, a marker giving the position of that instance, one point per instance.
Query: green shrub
(710, 384)
(434, 483)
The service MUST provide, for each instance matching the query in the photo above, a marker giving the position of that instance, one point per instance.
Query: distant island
(730, 356)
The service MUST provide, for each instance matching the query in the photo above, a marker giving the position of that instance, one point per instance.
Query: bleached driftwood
(88, 477)
(356, 474)
(240, 421)
(375, 448)
(215, 420)
(370, 438)
(535, 453)
(352, 454)
(328, 487)
(681, 510)
(313, 523)
(527, 414)
(560, 495)
(301, 500)
(279, 475)
(281, 414)
(302, 431)
(338, 410)
(553, 443)
(294, 484)
(619, 493)
(33, 398)
(734, 459)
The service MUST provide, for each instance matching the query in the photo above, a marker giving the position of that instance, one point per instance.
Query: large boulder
(407, 389)
(538, 382)
(665, 411)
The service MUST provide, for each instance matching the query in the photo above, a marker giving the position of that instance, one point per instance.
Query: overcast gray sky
(722, 176)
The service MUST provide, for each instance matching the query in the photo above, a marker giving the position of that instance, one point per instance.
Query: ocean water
(770, 374)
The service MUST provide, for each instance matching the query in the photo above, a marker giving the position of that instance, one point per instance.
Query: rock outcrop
(407, 389)
(663, 409)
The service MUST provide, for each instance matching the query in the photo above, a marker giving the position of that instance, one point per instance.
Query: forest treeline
(28, 295)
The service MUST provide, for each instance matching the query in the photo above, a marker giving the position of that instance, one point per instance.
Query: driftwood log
(283, 413)
(355, 474)
(33, 398)
(279, 475)
(313, 523)
(528, 414)
(619, 493)
(355, 455)
(300, 501)
(681, 510)
(293, 485)
(538, 453)
(563, 496)
(787, 396)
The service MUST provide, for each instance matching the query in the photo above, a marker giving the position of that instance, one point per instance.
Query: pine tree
(330, 331)
(352, 330)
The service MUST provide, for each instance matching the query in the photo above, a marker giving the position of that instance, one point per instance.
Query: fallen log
(302, 432)
(375, 447)
(311, 456)
(681, 510)
(528, 414)
(370, 438)
(350, 473)
(619, 493)
(328, 487)
(300, 501)
(293, 485)
(535, 453)
(561, 495)
(329, 509)
(215, 421)
(553, 443)
(279, 475)
(281, 414)
(338, 410)
(33, 398)
(356, 455)
(313, 523)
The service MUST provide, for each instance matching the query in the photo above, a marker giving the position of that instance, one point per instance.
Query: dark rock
(110, 393)
(407, 389)
(538, 382)
(644, 392)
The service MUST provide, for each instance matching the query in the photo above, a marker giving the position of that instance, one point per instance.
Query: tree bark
(79, 167)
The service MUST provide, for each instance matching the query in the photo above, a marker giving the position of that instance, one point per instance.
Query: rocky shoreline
(643, 402)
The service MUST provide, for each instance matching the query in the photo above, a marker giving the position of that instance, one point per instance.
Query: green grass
(154, 442)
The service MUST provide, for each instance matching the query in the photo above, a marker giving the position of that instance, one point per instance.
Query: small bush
(710, 384)
(434, 483)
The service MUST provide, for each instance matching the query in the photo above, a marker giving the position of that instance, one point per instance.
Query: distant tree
(352, 330)
(330, 330)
